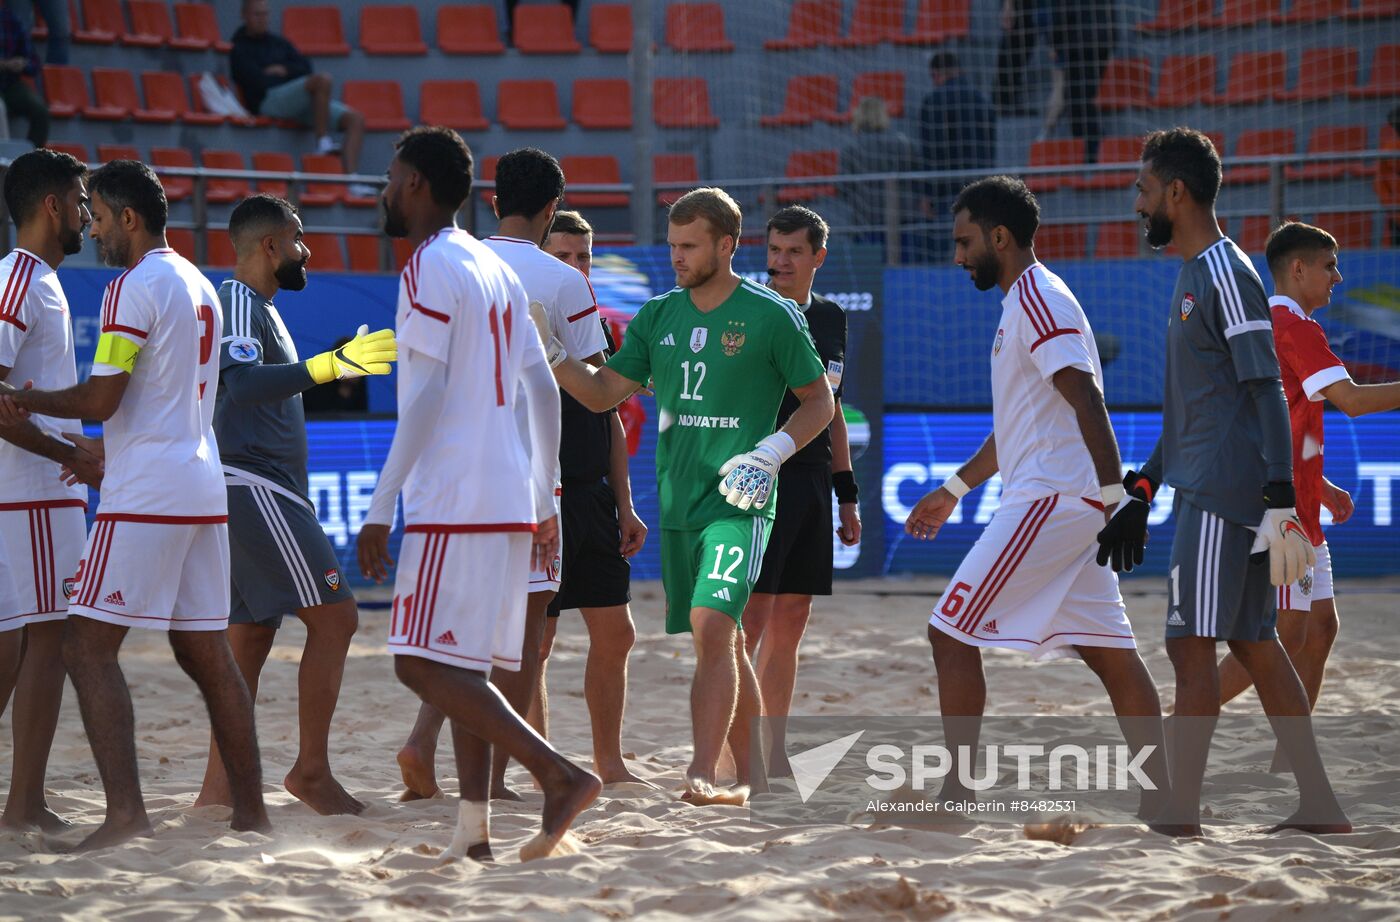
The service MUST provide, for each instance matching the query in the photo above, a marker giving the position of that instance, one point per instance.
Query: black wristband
(1279, 494)
(844, 483)
(1140, 485)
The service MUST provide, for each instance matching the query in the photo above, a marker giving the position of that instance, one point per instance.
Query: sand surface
(648, 854)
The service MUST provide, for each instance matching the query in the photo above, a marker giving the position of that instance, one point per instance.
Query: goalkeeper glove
(1282, 536)
(553, 349)
(1122, 540)
(747, 479)
(367, 354)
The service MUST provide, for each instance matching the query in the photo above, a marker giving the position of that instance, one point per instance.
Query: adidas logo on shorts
(990, 627)
(446, 639)
(1175, 619)
(115, 598)
(723, 594)
(669, 339)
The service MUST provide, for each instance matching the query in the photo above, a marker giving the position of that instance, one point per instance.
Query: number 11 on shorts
(737, 553)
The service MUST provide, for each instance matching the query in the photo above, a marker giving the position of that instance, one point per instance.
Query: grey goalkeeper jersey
(264, 440)
(1219, 336)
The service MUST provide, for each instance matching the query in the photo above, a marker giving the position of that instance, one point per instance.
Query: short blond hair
(712, 204)
(570, 222)
(870, 115)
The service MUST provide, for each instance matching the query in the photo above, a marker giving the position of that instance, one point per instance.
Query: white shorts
(1031, 583)
(1315, 586)
(41, 544)
(473, 619)
(162, 575)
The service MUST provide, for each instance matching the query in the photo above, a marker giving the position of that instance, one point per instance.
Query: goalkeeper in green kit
(720, 351)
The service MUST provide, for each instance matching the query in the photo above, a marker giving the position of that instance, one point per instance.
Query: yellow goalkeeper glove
(367, 354)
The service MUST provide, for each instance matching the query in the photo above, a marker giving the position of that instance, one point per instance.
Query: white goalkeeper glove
(1282, 536)
(747, 479)
(553, 348)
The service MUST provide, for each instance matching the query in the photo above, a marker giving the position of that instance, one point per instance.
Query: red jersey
(1308, 366)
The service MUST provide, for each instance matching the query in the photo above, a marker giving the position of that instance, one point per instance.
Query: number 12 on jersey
(686, 392)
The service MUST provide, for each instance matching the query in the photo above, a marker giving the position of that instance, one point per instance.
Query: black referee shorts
(799, 556)
(595, 574)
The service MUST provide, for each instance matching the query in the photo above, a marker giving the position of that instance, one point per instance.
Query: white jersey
(1040, 450)
(162, 460)
(462, 306)
(36, 344)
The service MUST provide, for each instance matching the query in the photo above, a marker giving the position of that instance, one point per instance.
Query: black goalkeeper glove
(1125, 536)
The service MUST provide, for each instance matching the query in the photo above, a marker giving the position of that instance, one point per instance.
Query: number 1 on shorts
(737, 553)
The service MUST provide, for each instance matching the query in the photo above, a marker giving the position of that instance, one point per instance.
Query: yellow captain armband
(116, 351)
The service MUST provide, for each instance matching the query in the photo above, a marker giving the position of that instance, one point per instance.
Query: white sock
(473, 827)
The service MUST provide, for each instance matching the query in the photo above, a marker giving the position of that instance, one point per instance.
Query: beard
(985, 272)
(291, 275)
(395, 225)
(113, 251)
(71, 239)
(697, 276)
(1159, 229)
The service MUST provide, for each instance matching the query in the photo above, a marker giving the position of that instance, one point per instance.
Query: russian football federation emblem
(1188, 304)
(333, 578)
(698, 337)
(1306, 584)
(996, 346)
(733, 338)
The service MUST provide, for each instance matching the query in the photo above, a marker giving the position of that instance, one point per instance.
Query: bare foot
(1177, 830)
(501, 792)
(1336, 825)
(619, 774)
(542, 847)
(702, 793)
(212, 795)
(322, 793)
(419, 775)
(564, 799)
(42, 819)
(115, 832)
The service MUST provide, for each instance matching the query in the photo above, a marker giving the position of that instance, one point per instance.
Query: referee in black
(798, 562)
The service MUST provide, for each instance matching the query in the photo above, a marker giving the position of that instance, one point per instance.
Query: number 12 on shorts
(735, 552)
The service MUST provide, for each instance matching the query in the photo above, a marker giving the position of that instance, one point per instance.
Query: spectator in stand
(276, 81)
(957, 128)
(17, 61)
(1083, 34)
(1019, 28)
(55, 13)
(876, 148)
(1388, 178)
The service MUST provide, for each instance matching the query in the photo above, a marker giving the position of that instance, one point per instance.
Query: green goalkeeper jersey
(719, 379)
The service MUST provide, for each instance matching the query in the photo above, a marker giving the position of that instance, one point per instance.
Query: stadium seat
(114, 95)
(528, 105)
(1116, 149)
(886, 84)
(224, 191)
(1253, 233)
(610, 27)
(166, 93)
(469, 29)
(199, 108)
(603, 103)
(1241, 13)
(1062, 241)
(273, 162)
(197, 28)
(1353, 230)
(1255, 76)
(106, 153)
(545, 29)
(218, 249)
(1268, 142)
(486, 171)
(1322, 74)
(1184, 80)
(1305, 11)
(402, 251)
(379, 101)
(811, 24)
(1175, 15)
(873, 22)
(1331, 139)
(102, 23)
(1384, 81)
(65, 90)
(452, 103)
(1055, 152)
(327, 255)
(315, 30)
(150, 24)
(1118, 240)
(580, 170)
(177, 188)
(319, 194)
(682, 102)
(938, 21)
(809, 98)
(391, 29)
(181, 240)
(1126, 84)
(363, 250)
(1374, 9)
(696, 27)
(674, 168)
(804, 163)
(72, 148)
(40, 32)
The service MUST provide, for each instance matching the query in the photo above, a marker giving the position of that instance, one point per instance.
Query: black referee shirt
(827, 323)
(585, 437)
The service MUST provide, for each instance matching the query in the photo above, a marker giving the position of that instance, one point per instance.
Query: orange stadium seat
(199, 108)
(402, 251)
(65, 90)
(40, 32)
(452, 103)
(811, 24)
(1384, 81)
(317, 194)
(1304, 11)
(486, 171)
(71, 148)
(315, 30)
(1333, 139)
(938, 21)
(809, 98)
(1062, 241)
(579, 170)
(102, 23)
(218, 249)
(1118, 240)
(469, 29)
(1175, 15)
(682, 102)
(224, 191)
(873, 22)
(696, 27)
(363, 250)
(197, 28)
(545, 29)
(181, 240)
(1126, 84)
(1253, 233)
(379, 101)
(150, 24)
(1353, 230)
(603, 103)
(528, 105)
(610, 27)
(1267, 142)
(1322, 74)
(166, 93)
(114, 95)
(886, 84)
(674, 168)
(391, 29)
(177, 188)
(1240, 13)
(1116, 149)
(1055, 152)
(273, 162)
(1185, 80)
(106, 153)
(804, 163)
(327, 255)
(1255, 76)
(1374, 9)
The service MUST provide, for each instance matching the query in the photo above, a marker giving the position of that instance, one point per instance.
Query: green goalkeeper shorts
(713, 567)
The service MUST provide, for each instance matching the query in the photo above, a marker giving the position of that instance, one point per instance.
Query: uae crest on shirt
(1188, 304)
